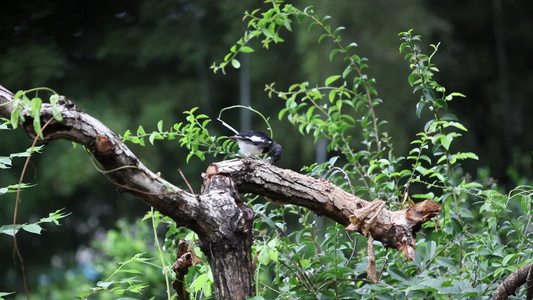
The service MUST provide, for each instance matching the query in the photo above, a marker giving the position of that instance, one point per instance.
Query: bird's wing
(228, 126)
(258, 139)
(253, 137)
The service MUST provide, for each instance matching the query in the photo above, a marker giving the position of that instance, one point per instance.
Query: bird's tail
(228, 126)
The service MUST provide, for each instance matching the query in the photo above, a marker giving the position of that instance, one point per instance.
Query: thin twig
(186, 181)
(156, 241)
(16, 249)
(347, 178)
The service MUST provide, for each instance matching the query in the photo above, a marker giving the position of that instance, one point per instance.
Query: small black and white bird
(255, 143)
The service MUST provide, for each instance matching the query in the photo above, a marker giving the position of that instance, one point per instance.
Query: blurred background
(136, 62)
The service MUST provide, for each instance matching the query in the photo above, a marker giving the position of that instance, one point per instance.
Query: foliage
(193, 134)
(132, 284)
(483, 234)
(22, 103)
(35, 228)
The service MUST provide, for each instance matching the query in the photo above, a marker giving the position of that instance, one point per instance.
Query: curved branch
(396, 229)
(115, 158)
(508, 287)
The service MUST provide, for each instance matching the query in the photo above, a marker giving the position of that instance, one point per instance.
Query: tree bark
(221, 220)
(508, 287)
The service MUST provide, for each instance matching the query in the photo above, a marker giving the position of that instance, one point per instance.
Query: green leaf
(456, 225)
(429, 195)
(332, 79)
(287, 24)
(425, 158)
(264, 256)
(397, 274)
(54, 99)
(267, 33)
(346, 71)
(235, 63)
(525, 202)
(333, 53)
(33, 228)
(199, 282)
(412, 78)
(457, 125)
(338, 29)
(509, 258)
(15, 114)
(446, 262)
(37, 126)
(5, 162)
(332, 95)
(140, 130)
(454, 94)
(9, 230)
(419, 107)
(322, 37)
(54, 217)
(446, 140)
(431, 247)
(104, 284)
(2, 294)
(36, 104)
(247, 49)
(152, 137)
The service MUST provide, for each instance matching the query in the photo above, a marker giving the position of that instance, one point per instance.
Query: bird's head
(275, 152)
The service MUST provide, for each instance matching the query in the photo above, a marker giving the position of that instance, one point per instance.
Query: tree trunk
(227, 243)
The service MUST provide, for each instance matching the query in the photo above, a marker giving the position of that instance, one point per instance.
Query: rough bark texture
(181, 268)
(221, 220)
(508, 287)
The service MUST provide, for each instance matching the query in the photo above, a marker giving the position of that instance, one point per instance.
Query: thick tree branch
(396, 229)
(115, 158)
(508, 287)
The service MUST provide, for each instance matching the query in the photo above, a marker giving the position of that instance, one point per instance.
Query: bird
(253, 143)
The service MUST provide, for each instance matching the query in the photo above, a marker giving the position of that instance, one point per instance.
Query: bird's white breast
(249, 149)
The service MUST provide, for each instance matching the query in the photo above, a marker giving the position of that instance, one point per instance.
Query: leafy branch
(438, 131)
(193, 134)
(119, 286)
